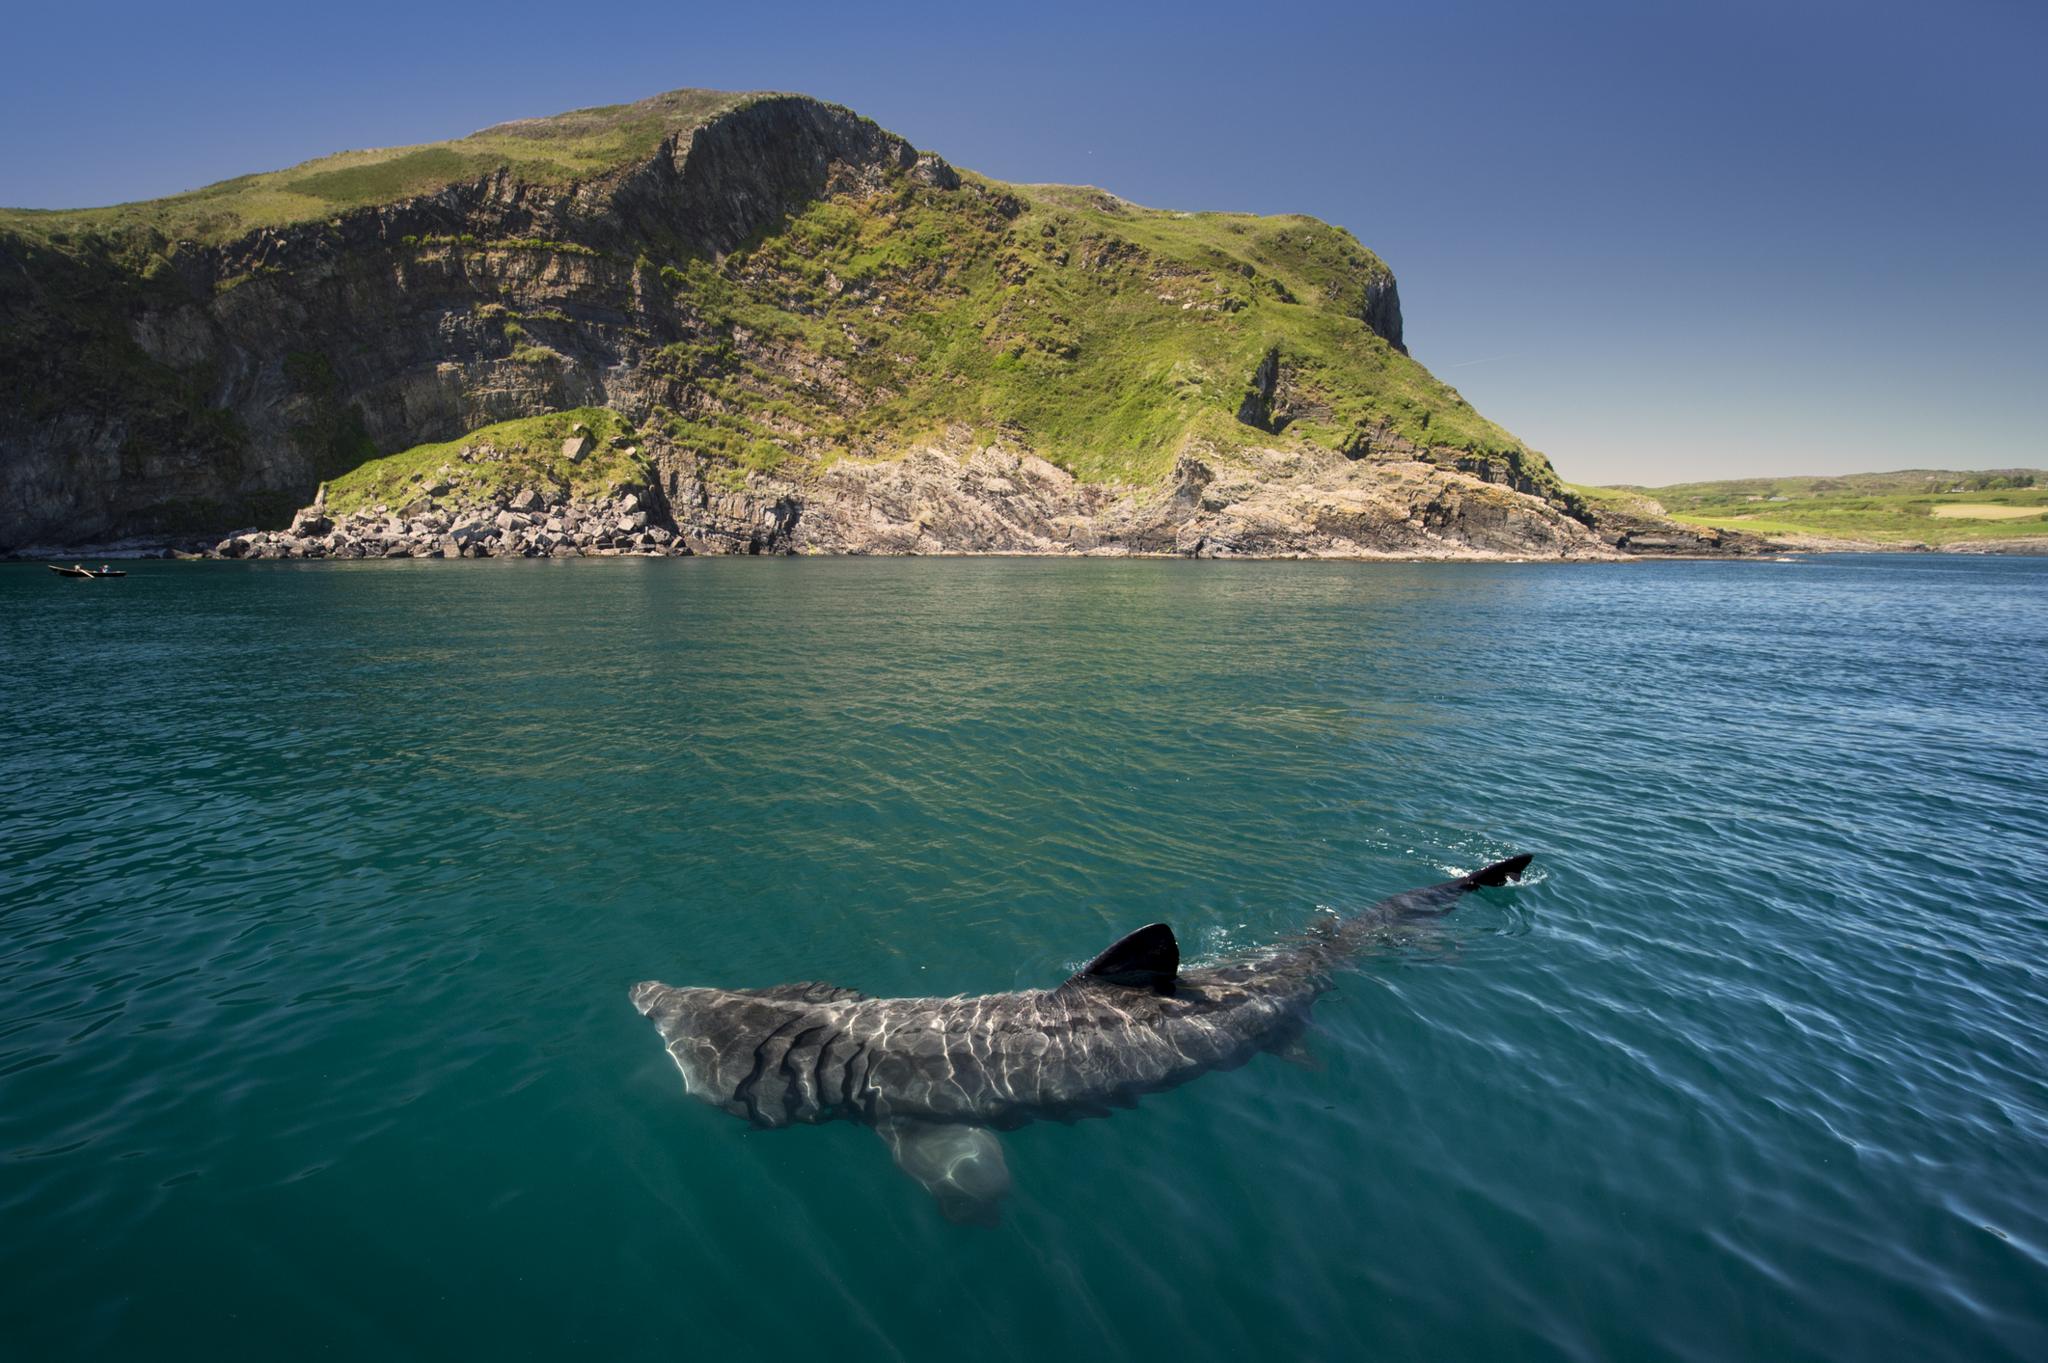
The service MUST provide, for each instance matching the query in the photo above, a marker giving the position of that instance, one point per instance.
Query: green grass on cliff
(558, 150)
(505, 457)
(1915, 506)
(1103, 335)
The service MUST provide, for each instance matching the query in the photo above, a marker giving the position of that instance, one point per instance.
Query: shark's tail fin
(1434, 900)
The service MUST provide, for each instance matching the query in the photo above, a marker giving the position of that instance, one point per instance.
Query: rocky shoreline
(957, 497)
(952, 497)
(273, 545)
(531, 524)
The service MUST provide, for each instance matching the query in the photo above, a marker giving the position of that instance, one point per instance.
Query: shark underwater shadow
(938, 1078)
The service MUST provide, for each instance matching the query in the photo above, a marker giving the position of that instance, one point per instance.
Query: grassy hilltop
(1912, 506)
(558, 151)
(296, 320)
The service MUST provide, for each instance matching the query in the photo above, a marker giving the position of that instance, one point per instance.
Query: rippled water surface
(321, 888)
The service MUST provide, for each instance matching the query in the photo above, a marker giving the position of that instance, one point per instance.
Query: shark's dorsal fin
(804, 991)
(1147, 959)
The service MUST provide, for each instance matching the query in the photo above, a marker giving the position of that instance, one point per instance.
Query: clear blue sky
(1658, 241)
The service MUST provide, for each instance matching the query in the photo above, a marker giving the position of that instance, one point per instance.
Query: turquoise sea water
(321, 888)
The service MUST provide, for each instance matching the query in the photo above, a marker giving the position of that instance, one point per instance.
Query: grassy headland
(854, 322)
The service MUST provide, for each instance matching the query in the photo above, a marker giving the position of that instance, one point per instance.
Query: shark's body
(938, 1077)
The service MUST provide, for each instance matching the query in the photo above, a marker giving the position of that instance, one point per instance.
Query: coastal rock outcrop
(957, 496)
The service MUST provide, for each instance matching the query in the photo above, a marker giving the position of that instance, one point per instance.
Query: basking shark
(938, 1078)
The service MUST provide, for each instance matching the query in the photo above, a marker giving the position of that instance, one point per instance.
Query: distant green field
(1924, 506)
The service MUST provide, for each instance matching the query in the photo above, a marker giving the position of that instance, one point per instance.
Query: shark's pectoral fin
(1295, 1052)
(960, 1166)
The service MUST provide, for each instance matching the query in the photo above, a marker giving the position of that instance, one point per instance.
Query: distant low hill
(1910, 506)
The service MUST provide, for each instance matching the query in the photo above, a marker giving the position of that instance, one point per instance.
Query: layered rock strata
(958, 497)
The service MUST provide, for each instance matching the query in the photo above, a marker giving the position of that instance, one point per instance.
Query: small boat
(84, 572)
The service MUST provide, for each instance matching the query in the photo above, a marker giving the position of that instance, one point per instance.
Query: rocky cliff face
(953, 495)
(958, 496)
(227, 380)
(830, 342)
